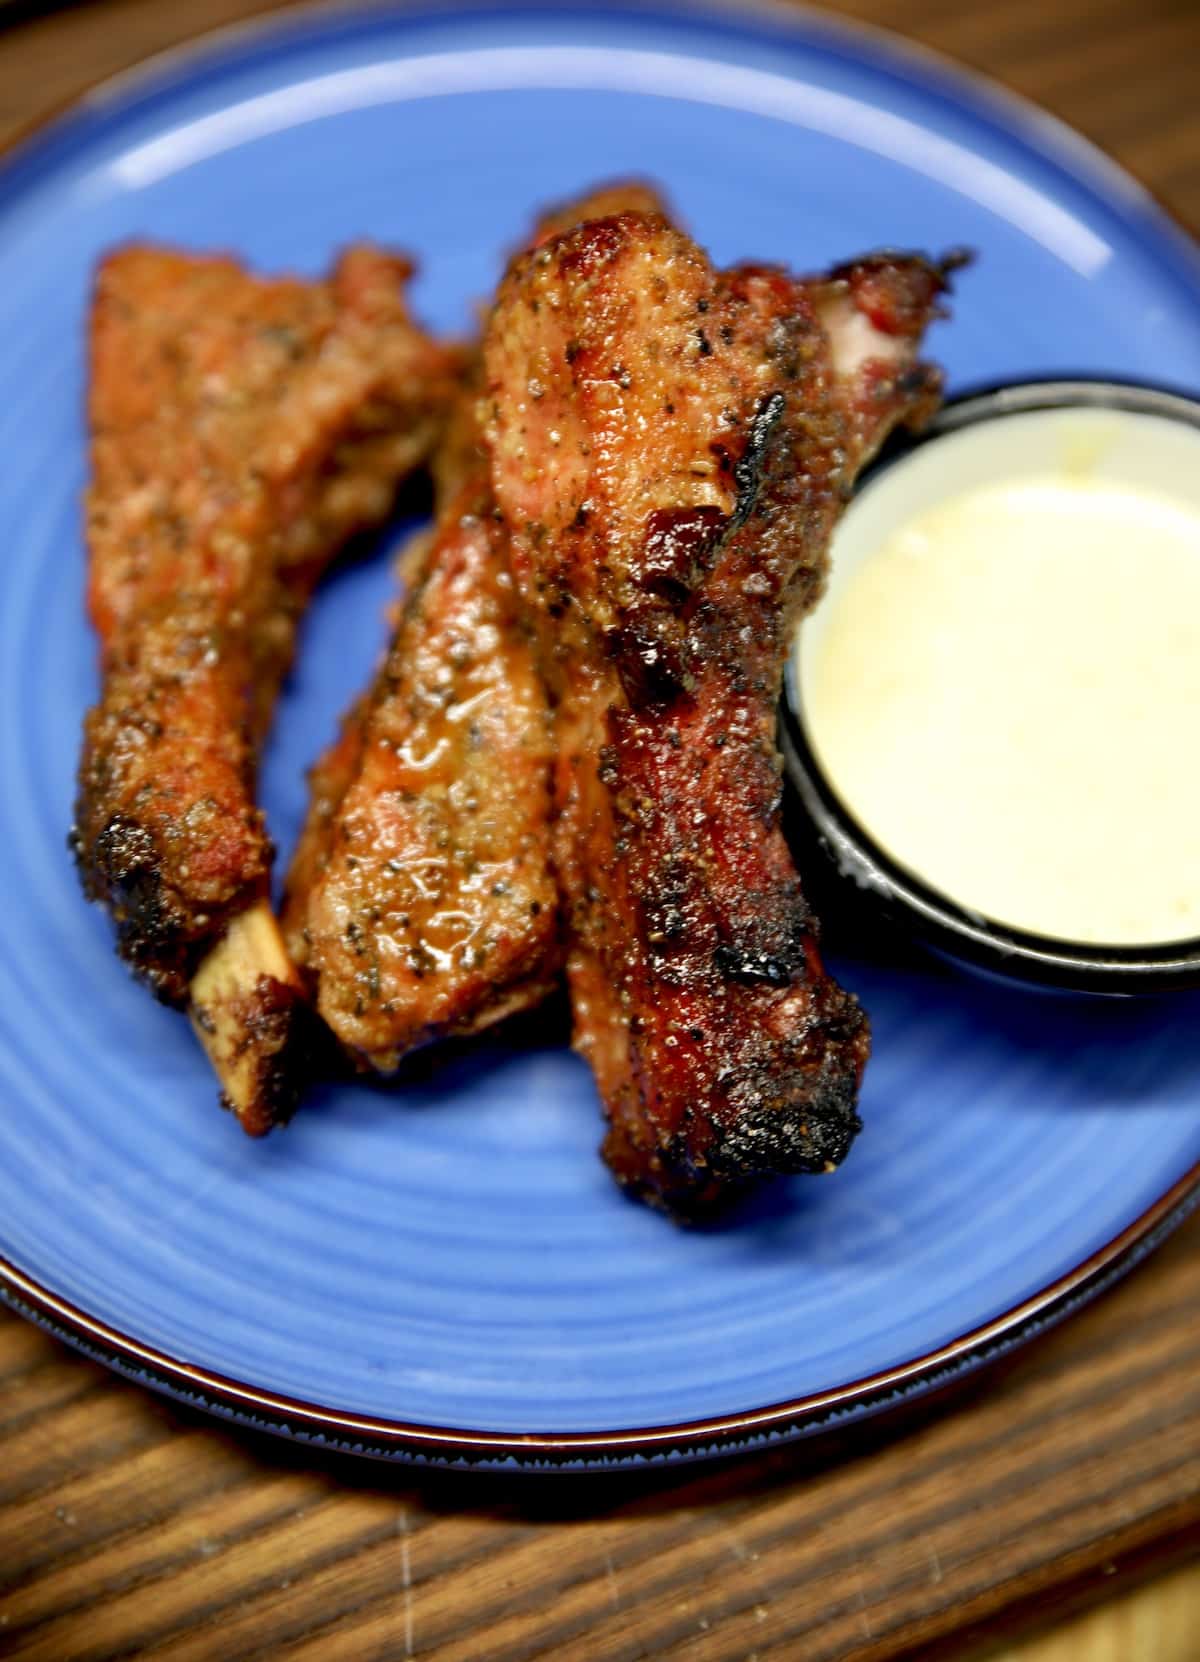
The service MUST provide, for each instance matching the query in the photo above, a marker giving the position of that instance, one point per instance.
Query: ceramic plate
(446, 1272)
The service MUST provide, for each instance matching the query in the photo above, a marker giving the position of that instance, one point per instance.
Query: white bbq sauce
(1003, 681)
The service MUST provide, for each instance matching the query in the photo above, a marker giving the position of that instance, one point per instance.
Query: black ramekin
(896, 894)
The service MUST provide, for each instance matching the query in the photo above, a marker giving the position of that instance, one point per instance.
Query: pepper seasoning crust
(434, 911)
(242, 431)
(421, 900)
(670, 488)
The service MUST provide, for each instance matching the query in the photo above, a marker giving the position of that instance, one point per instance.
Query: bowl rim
(940, 921)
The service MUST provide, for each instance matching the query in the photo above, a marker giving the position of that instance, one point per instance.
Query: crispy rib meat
(421, 902)
(420, 899)
(671, 448)
(242, 431)
(618, 196)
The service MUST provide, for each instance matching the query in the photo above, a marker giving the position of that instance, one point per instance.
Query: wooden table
(131, 1527)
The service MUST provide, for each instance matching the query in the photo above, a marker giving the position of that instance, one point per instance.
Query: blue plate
(446, 1271)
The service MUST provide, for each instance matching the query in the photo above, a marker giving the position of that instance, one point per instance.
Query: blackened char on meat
(671, 448)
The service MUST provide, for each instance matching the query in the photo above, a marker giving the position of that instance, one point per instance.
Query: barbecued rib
(421, 903)
(242, 430)
(672, 446)
(420, 899)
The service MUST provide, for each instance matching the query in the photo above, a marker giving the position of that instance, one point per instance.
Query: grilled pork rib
(671, 448)
(242, 431)
(421, 900)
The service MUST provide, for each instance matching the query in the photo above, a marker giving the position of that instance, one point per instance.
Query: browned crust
(671, 448)
(386, 975)
(242, 430)
(421, 901)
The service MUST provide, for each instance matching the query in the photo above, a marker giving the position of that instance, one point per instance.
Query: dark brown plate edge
(576, 1451)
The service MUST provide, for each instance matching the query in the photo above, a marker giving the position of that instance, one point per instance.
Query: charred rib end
(811, 1124)
(813, 1137)
(121, 868)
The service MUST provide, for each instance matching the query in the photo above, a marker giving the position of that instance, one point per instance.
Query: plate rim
(423, 1444)
(412, 1443)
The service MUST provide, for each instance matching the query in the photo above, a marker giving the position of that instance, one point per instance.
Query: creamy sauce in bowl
(1002, 685)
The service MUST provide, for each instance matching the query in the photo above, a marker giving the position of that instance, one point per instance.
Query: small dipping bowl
(1129, 457)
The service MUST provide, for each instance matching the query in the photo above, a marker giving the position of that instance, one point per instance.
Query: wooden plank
(1158, 1622)
(131, 1527)
(1042, 1474)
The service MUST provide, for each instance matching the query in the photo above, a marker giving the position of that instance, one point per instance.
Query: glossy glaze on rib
(671, 448)
(431, 908)
(421, 900)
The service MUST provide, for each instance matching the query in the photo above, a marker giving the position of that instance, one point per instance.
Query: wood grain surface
(130, 1527)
